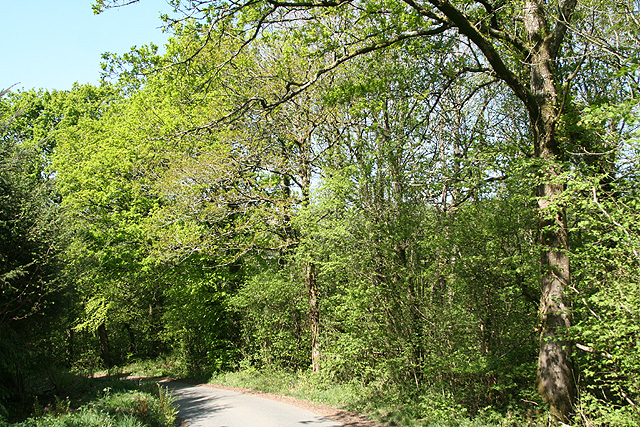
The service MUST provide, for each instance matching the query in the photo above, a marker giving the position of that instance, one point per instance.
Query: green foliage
(606, 266)
(415, 298)
(606, 293)
(149, 411)
(271, 307)
(199, 325)
(114, 409)
(31, 241)
(594, 411)
(375, 400)
(105, 197)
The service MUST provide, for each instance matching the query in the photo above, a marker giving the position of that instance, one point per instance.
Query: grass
(107, 401)
(103, 402)
(162, 367)
(301, 385)
(152, 368)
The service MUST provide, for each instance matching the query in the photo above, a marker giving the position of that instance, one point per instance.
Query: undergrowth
(104, 403)
(427, 409)
(376, 400)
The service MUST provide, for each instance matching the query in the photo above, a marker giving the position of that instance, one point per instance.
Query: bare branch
(295, 88)
(307, 4)
(592, 351)
(515, 42)
(425, 12)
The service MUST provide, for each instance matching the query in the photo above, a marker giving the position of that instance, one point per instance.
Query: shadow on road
(205, 406)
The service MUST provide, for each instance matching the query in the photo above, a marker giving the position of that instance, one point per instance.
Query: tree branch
(566, 13)
(425, 12)
(592, 351)
(307, 4)
(295, 88)
(464, 25)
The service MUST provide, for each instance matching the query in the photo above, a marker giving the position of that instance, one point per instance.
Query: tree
(148, 204)
(31, 241)
(424, 251)
(103, 196)
(246, 179)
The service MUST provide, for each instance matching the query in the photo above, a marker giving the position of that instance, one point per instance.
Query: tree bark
(555, 380)
(105, 351)
(314, 316)
(70, 346)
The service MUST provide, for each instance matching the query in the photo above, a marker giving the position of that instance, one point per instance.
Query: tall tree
(31, 241)
(99, 165)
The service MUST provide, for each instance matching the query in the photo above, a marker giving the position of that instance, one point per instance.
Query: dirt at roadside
(346, 418)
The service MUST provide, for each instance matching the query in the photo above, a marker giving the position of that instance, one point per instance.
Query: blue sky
(53, 43)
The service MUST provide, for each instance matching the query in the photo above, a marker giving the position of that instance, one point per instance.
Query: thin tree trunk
(105, 351)
(132, 347)
(314, 316)
(70, 346)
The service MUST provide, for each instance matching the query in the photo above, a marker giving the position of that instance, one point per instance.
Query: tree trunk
(105, 351)
(70, 346)
(314, 316)
(555, 380)
(132, 347)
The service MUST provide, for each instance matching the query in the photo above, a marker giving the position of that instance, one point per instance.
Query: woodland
(433, 201)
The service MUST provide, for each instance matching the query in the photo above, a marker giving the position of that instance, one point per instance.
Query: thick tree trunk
(555, 380)
(314, 316)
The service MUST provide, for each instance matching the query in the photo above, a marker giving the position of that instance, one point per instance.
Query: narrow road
(201, 406)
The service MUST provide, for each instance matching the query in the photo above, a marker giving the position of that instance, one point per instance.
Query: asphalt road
(201, 406)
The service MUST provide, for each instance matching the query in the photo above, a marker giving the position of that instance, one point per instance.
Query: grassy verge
(102, 402)
(383, 405)
(162, 367)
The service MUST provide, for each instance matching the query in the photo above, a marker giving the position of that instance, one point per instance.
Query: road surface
(201, 406)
